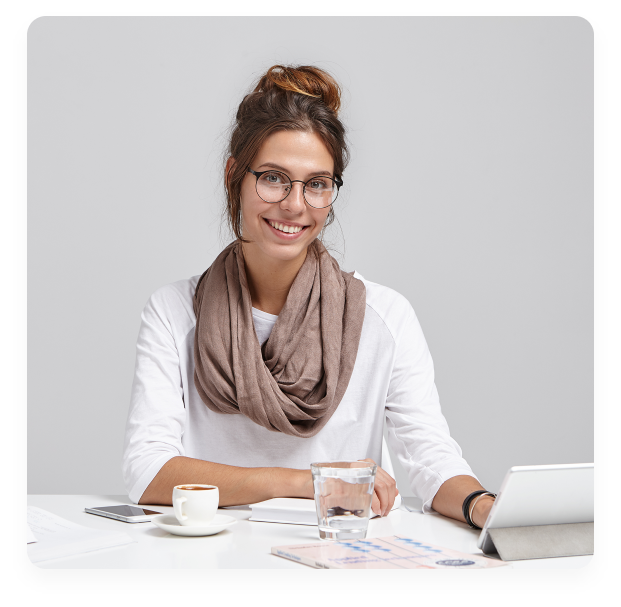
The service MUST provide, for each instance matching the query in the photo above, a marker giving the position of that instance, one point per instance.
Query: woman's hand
(385, 491)
(481, 510)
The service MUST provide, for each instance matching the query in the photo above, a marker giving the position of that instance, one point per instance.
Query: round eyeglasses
(319, 192)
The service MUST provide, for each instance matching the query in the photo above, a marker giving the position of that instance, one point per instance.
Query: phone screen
(127, 510)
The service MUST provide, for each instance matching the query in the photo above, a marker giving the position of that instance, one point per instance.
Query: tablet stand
(540, 541)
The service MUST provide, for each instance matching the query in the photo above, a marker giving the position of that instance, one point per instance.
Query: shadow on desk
(412, 504)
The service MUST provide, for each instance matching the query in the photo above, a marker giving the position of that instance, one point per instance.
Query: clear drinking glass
(343, 495)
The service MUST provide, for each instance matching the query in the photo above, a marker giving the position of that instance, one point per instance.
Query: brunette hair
(296, 98)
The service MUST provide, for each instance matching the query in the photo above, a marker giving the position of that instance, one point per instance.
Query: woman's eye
(273, 178)
(318, 184)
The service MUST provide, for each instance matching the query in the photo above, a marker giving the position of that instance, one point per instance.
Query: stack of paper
(292, 510)
(57, 537)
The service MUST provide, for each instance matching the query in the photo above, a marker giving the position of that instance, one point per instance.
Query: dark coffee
(194, 488)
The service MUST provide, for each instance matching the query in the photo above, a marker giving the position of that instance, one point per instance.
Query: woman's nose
(295, 202)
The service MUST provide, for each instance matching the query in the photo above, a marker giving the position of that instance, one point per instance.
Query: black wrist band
(466, 507)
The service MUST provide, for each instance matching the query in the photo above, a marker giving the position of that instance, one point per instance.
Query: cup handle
(177, 506)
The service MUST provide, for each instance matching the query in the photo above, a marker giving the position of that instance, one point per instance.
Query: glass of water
(343, 495)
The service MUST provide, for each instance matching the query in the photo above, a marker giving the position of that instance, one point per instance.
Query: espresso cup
(195, 505)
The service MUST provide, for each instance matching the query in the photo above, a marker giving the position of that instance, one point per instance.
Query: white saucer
(169, 522)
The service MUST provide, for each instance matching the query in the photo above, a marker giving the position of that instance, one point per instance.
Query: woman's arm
(235, 485)
(238, 486)
(417, 430)
(451, 495)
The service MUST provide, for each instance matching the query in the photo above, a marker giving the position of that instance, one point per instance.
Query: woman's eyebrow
(273, 165)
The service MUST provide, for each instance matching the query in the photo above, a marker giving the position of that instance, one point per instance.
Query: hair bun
(305, 80)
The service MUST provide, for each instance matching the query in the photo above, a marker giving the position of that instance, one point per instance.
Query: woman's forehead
(291, 151)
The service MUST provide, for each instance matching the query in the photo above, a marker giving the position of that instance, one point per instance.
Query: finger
(387, 487)
(375, 504)
(381, 490)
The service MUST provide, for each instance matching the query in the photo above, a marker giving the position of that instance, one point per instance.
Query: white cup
(195, 505)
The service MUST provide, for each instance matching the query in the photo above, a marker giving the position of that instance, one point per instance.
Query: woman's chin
(286, 252)
(279, 252)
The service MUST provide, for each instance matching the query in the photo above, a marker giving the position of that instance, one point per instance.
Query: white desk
(246, 545)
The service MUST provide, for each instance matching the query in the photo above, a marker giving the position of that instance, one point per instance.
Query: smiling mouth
(284, 228)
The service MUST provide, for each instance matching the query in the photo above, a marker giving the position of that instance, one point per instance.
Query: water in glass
(343, 495)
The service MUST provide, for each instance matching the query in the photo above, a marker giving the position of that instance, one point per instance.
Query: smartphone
(127, 514)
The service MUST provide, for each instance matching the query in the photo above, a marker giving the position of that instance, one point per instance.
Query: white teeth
(286, 229)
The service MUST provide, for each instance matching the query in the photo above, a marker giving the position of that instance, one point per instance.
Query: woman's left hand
(384, 494)
(481, 510)
(385, 491)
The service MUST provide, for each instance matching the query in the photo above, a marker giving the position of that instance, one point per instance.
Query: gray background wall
(482, 129)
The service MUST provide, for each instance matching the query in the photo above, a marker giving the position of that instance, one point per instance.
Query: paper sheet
(44, 523)
(30, 536)
(57, 537)
(392, 552)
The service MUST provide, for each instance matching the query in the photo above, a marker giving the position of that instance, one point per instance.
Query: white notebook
(292, 510)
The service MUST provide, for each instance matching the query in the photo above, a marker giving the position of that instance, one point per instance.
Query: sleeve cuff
(429, 491)
(140, 486)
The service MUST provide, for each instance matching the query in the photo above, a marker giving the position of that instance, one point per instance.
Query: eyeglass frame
(338, 182)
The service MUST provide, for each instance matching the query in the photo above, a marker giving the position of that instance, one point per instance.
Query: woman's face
(300, 155)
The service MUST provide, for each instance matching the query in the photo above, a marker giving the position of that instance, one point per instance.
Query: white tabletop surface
(245, 545)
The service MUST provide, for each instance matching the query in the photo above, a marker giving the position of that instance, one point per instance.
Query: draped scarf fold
(295, 382)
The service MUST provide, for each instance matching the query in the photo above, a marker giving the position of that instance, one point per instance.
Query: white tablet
(542, 495)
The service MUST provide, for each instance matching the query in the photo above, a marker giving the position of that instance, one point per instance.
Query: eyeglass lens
(319, 192)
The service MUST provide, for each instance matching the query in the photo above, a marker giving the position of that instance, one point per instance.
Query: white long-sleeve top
(393, 379)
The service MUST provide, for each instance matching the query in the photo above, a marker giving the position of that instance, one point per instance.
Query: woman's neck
(269, 279)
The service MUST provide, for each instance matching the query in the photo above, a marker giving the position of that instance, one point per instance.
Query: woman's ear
(228, 169)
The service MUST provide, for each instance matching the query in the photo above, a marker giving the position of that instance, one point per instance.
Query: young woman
(275, 358)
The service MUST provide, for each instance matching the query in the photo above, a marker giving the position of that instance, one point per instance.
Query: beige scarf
(294, 383)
